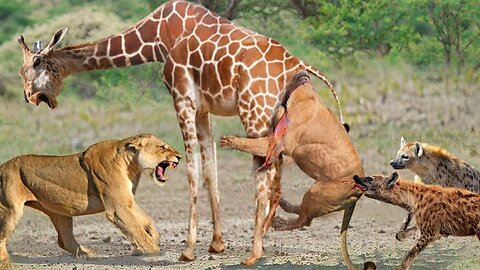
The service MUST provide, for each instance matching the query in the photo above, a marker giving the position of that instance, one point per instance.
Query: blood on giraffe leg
(209, 165)
(275, 190)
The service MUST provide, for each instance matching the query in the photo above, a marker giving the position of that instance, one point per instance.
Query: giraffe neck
(150, 40)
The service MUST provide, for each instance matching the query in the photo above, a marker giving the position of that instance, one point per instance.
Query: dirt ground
(33, 245)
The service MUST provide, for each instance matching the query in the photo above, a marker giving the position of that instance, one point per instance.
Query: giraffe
(211, 66)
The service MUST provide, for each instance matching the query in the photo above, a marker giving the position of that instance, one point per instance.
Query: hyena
(438, 211)
(433, 165)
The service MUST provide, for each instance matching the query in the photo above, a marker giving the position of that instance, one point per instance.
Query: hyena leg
(423, 242)
(405, 233)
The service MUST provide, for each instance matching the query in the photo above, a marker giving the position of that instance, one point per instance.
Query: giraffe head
(42, 77)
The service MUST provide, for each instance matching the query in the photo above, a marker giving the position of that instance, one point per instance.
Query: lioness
(102, 178)
(307, 131)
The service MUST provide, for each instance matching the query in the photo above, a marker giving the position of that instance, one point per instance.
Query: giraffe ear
(57, 37)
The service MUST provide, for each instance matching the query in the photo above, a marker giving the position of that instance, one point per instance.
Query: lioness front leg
(254, 146)
(137, 226)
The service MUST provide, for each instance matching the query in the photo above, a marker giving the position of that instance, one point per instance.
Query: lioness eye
(36, 62)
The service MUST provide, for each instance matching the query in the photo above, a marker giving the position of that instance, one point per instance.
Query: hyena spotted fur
(439, 211)
(434, 166)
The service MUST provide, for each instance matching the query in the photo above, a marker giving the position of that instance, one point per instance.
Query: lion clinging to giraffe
(211, 66)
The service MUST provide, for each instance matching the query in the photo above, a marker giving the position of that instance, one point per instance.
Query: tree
(456, 26)
(346, 26)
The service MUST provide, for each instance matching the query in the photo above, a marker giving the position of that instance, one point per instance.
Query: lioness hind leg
(66, 240)
(9, 217)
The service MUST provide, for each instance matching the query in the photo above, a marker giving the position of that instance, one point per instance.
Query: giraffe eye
(36, 62)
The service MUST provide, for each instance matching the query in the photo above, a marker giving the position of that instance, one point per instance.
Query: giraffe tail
(327, 82)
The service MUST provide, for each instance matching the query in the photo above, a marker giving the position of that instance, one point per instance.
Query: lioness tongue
(159, 172)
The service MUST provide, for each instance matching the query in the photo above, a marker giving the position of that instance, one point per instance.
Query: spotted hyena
(438, 211)
(433, 165)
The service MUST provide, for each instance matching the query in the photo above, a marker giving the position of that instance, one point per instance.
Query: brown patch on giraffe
(119, 61)
(207, 49)
(92, 62)
(251, 56)
(209, 79)
(136, 59)
(132, 42)
(196, 59)
(147, 52)
(175, 28)
(223, 41)
(167, 10)
(224, 67)
(233, 48)
(237, 34)
(219, 53)
(116, 46)
(209, 20)
(181, 8)
(260, 70)
(215, 37)
(203, 32)
(227, 93)
(193, 44)
(104, 62)
(270, 101)
(275, 52)
(148, 31)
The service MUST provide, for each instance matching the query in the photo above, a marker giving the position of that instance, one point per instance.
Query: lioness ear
(137, 143)
(418, 150)
(402, 142)
(391, 180)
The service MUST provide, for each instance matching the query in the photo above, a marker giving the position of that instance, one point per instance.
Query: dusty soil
(33, 245)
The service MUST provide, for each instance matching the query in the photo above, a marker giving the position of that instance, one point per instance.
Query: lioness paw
(227, 141)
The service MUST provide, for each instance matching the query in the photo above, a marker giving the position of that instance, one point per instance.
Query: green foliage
(346, 26)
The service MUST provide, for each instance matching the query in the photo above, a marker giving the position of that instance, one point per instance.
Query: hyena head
(376, 186)
(407, 156)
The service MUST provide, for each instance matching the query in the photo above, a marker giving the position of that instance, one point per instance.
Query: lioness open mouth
(162, 168)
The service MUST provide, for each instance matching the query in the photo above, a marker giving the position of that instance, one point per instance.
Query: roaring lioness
(102, 178)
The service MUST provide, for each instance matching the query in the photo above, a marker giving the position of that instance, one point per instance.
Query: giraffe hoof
(216, 247)
(187, 256)
(250, 261)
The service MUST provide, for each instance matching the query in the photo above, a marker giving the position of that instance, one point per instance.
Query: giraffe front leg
(209, 166)
(186, 118)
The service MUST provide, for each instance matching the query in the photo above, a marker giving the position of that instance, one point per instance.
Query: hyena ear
(418, 150)
(402, 142)
(391, 180)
